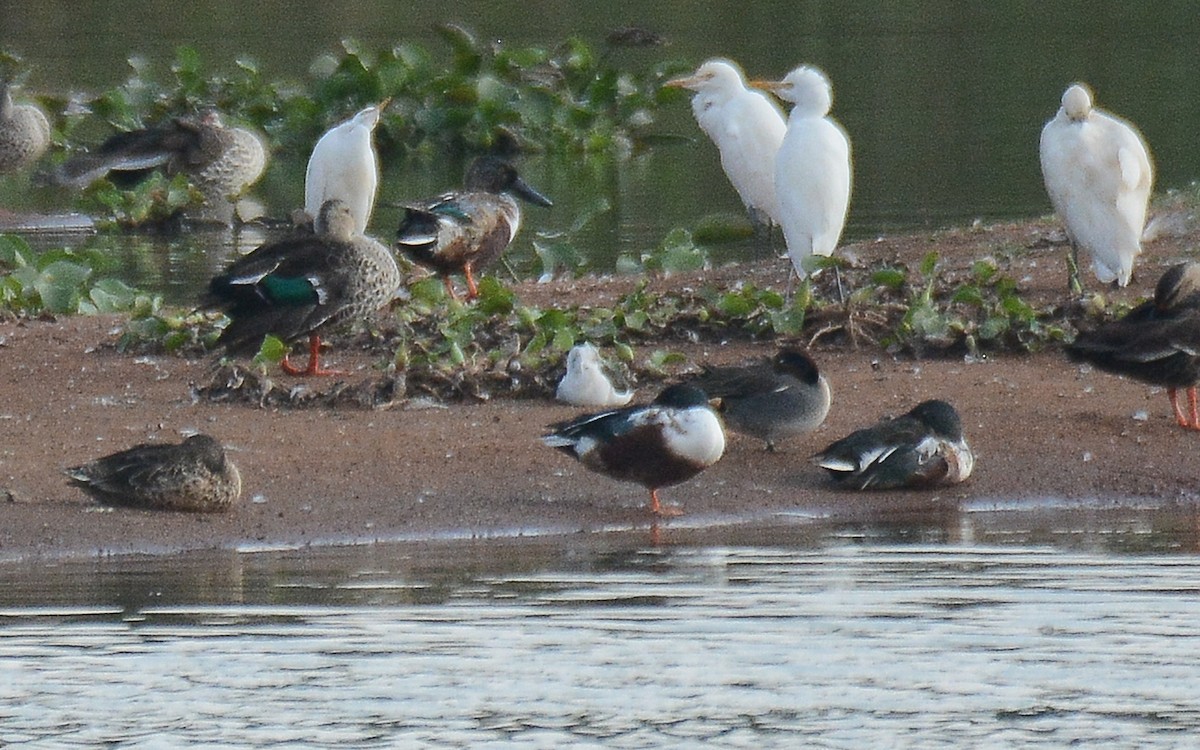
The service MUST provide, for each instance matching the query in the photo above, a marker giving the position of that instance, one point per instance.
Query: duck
(221, 161)
(656, 445)
(1157, 342)
(304, 284)
(1097, 170)
(194, 475)
(923, 448)
(772, 399)
(468, 230)
(586, 383)
(344, 165)
(813, 168)
(24, 132)
(747, 127)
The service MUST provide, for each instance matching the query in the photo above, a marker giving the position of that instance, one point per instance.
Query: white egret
(586, 383)
(1098, 173)
(747, 127)
(24, 133)
(812, 168)
(343, 166)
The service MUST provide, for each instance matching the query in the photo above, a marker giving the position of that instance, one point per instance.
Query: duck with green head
(467, 230)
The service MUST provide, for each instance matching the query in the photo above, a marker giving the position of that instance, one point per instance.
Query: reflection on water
(796, 635)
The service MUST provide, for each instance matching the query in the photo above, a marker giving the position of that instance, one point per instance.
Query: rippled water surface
(799, 639)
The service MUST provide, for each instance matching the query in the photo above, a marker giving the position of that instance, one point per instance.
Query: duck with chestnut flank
(655, 445)
(923, 448)
(466, 231)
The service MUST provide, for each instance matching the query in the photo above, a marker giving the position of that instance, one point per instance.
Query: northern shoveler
(304, 284)
(772, 399)
(1098, 173)
(747, 127)
(922, 448)
(812, 169)
(586, 383)
(467, 231)
(344, 165)
(194, 476)
(1158, 342)
(24, 132)
(656, 445)
(221, 161)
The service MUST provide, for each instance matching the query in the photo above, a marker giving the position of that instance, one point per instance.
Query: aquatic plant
(60, 281)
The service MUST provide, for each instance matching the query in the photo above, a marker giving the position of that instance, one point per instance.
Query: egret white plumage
(812, 168)
(747, 128)
(343, 166)
(1098, 173)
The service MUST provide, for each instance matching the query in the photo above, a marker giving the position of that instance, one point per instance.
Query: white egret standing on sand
(812, 168)
(747, 127)
(344, 167)
(1098, 173)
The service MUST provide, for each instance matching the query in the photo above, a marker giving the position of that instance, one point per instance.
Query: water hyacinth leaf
(271, 352)
(15, 251)
(112, 295)
(494, 297)
(59, 285)
(721, 228)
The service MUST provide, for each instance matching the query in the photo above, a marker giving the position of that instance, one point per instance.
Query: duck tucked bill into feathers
(922, 448)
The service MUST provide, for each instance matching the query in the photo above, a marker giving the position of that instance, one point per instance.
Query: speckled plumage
(24, 133)
(466, 231)
(655, 445)
(772, 400)
(221, 161)
(304, 284)
(1158, 342)
(193, 476)
(923, 448)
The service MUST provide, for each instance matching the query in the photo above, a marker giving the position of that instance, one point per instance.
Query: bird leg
(450, 287)
(472, 290)
(1195, 423)
(659, 510)
(1073, 283)
(314, 361)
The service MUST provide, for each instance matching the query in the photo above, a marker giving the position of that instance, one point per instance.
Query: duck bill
(522, 188)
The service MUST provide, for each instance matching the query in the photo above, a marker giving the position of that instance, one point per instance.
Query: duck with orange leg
(304, 284)
(466, 231)
(655, 445)
(1157, 342)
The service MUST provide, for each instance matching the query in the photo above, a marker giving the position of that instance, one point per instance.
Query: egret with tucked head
(812, 168)
(747, 127)
(343, 166)
(1098, 173)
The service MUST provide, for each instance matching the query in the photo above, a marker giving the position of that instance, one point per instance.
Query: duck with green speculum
(466, 231)
(304, 284)
(1157, 342)
(193, 476)
(656, 445)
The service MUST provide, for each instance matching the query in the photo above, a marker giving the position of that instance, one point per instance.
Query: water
(944, 102)
(792, 635)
